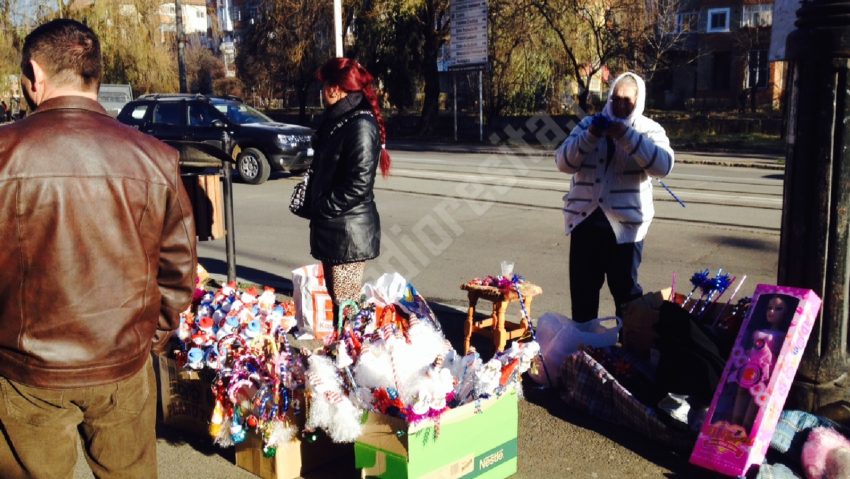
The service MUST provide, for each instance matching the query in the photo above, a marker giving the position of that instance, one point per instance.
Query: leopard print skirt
(344, 280)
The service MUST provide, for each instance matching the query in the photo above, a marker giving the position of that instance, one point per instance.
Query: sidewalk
(717, 158)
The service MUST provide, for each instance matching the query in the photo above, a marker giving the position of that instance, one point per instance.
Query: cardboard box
(186, 397)
(642, 314)
(758, 374)
(475, 440)
(296, 459)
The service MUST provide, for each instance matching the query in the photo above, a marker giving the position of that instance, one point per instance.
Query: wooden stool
(499, 330)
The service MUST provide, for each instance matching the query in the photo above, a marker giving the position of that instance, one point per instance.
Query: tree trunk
(583, 93)
(431, 51)
(431, 103)
(302, 103)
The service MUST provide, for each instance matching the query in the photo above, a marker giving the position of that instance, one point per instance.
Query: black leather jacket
(344, 222)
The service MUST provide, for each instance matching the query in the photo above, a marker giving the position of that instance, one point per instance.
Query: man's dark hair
(67, 50)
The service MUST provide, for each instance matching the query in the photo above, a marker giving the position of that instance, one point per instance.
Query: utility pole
(338, 27)
(813, 249)
(181, 46)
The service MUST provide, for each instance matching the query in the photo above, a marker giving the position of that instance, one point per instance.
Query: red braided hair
(350, 76)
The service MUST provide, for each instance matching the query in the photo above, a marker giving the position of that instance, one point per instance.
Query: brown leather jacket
(98, 246)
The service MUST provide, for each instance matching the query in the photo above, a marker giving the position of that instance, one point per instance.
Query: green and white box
(478, 440)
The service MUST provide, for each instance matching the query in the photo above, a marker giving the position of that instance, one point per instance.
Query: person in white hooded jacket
(612, 156)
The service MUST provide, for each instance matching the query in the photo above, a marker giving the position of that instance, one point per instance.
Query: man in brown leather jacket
(98, 260)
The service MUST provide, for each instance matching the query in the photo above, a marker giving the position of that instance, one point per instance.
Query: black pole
(181, 46)
(229, 224)
(813, 251)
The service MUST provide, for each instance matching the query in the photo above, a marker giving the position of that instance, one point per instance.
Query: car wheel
(253, 166)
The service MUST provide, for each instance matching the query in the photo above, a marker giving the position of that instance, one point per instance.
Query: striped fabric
(589, 388)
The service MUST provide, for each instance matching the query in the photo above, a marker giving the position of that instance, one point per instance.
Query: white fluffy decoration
(281, 433)
(330, 409)
(429, 390)
(373, 369)
(487, 378)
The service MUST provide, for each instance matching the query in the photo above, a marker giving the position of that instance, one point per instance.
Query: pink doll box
(755, 382)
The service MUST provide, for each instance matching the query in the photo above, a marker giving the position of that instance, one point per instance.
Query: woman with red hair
(350, 144)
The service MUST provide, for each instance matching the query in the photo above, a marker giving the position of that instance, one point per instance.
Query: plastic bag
(386, 290)
(314, 316)
(560, 336)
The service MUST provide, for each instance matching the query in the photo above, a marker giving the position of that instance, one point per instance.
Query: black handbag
(298, 200)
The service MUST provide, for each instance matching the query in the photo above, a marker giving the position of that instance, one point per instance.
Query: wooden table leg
(470, 317)
(499, 333)
(525, 320)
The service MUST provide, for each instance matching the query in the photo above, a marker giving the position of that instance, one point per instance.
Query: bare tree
(662, 38)
(285, 47)
(591, 34)
(433, 18)
(523, 73)
(133, 49)
(203, 68)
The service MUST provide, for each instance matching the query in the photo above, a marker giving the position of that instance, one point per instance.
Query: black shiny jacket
(344, 222)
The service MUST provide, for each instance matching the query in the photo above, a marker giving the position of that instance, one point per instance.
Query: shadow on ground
(643, 446)
(743, 243)
(279, 283)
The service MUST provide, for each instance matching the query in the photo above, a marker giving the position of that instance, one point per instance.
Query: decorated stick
(707, 288)
(672, 194)
(728, 302)
(673, 288)
(721, 283)
(698, 279)
(530, 327)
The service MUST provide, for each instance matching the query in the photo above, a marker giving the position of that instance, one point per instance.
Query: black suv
(257, 142)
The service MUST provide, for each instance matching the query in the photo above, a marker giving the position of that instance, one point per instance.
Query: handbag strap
(342, 123)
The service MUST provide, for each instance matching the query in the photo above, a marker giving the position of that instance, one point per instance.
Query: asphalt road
(450, 216)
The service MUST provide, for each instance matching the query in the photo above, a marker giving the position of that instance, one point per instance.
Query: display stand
(496, 326)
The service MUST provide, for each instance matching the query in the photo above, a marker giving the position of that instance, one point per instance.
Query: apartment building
(722, 56)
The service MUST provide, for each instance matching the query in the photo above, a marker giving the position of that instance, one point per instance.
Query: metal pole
(813, 249)
(454, 100)
(229, 224)
(181, 46)
(338, 27)
(481, 106)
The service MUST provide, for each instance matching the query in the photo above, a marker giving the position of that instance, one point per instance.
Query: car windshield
(240, 113)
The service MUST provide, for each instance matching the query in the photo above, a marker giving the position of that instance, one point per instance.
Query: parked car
(258, 143)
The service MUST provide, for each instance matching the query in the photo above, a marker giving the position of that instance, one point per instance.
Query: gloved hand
(600, 121)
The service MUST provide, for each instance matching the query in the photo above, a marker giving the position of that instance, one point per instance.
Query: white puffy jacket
(623, 189)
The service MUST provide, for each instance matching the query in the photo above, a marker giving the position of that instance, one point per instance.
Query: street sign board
(468, 44)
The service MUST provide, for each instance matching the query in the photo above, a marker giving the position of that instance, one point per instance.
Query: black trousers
(595, 255)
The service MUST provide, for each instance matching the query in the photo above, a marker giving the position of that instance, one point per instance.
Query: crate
(185, 396)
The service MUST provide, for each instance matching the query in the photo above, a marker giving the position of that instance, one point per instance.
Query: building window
(757, 71)
(757, 15)
(686, 22)
(721, 70)
(718, 20)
